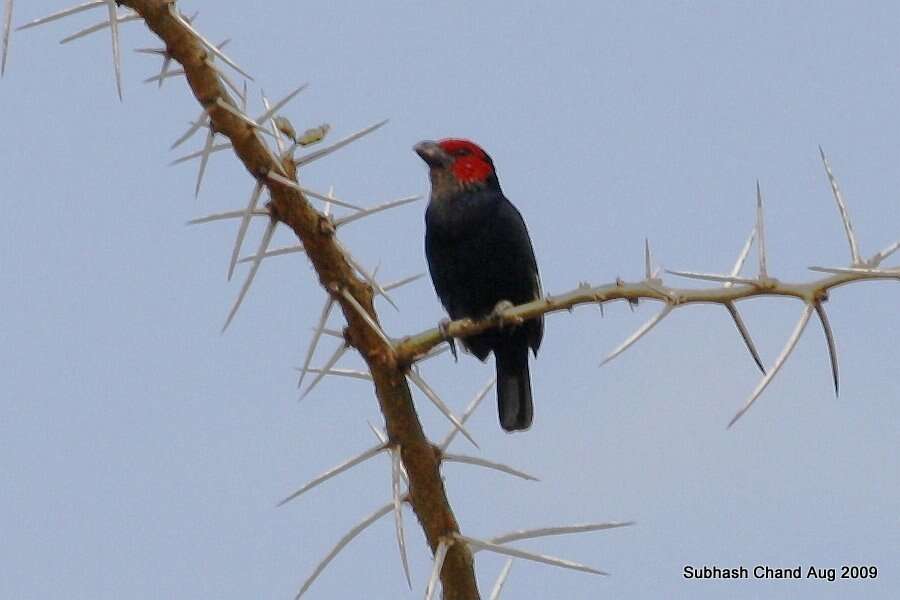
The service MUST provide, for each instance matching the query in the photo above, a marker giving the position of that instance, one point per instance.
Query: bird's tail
(513, 387)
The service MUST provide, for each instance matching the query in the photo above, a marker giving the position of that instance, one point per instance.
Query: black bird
(479, 254)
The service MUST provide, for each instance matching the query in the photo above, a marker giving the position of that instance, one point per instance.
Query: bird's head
(457, 165)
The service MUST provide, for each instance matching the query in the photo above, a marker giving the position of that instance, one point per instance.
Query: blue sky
(143, 452)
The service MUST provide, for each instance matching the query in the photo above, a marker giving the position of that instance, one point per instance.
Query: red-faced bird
(479, 254)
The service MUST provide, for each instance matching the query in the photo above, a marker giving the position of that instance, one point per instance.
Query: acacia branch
(289, 205)
(412, 347)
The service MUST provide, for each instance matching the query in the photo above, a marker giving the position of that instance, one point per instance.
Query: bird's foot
(499, 314)
(444, 328)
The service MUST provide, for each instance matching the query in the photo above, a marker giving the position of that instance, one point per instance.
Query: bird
(480, 255)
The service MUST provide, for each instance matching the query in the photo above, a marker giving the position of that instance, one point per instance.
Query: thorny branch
(415, 461)
(290, 206)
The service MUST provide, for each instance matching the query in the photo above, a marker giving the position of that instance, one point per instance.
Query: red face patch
(470, 163)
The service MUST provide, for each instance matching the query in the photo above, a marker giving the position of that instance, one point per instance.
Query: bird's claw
(444, 328)
(499, 313)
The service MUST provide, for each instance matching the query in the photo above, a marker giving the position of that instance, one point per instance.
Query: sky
(143, 452)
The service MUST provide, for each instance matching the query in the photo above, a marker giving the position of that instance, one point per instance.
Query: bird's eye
(461, 152)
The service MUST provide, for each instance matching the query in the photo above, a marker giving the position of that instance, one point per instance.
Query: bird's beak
(432, 154)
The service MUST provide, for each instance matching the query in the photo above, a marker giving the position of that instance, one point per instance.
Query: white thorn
(272, 110)
(201, 120)
(366, 212)
(224, 77)
(761, 234)
(648, 260)
(527, 534)
(153, 51)
(263, 244)
(204, 159)
(338, 353)
(382, 436)
(348, 373)
(126, 18)
(320, 328)
(365, 316)
(293, 249)
(7, 27)
(231, 214)
(832, 348)
(779, 362)
(857, 271)
(328, 206)
(370, 278)
(437, 351)
(742, 257)
(883, 254)
(439, 555)
(346, 539)
(221, 103)
(731, 307)
(501, 579)
(114, 31)
(164, 70)
(164, 74)
(336, 470)
(63, 13)
(436, 400)
(199, 153)
(641, 331)
(209, 45)
(477, 545)
(278, 141)
(713, 277)
(401, 282)
(842, 209)
(322, 152)
(473, 404)
(481, 462)
(296, 186)
(398, 513)
(242, 228)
